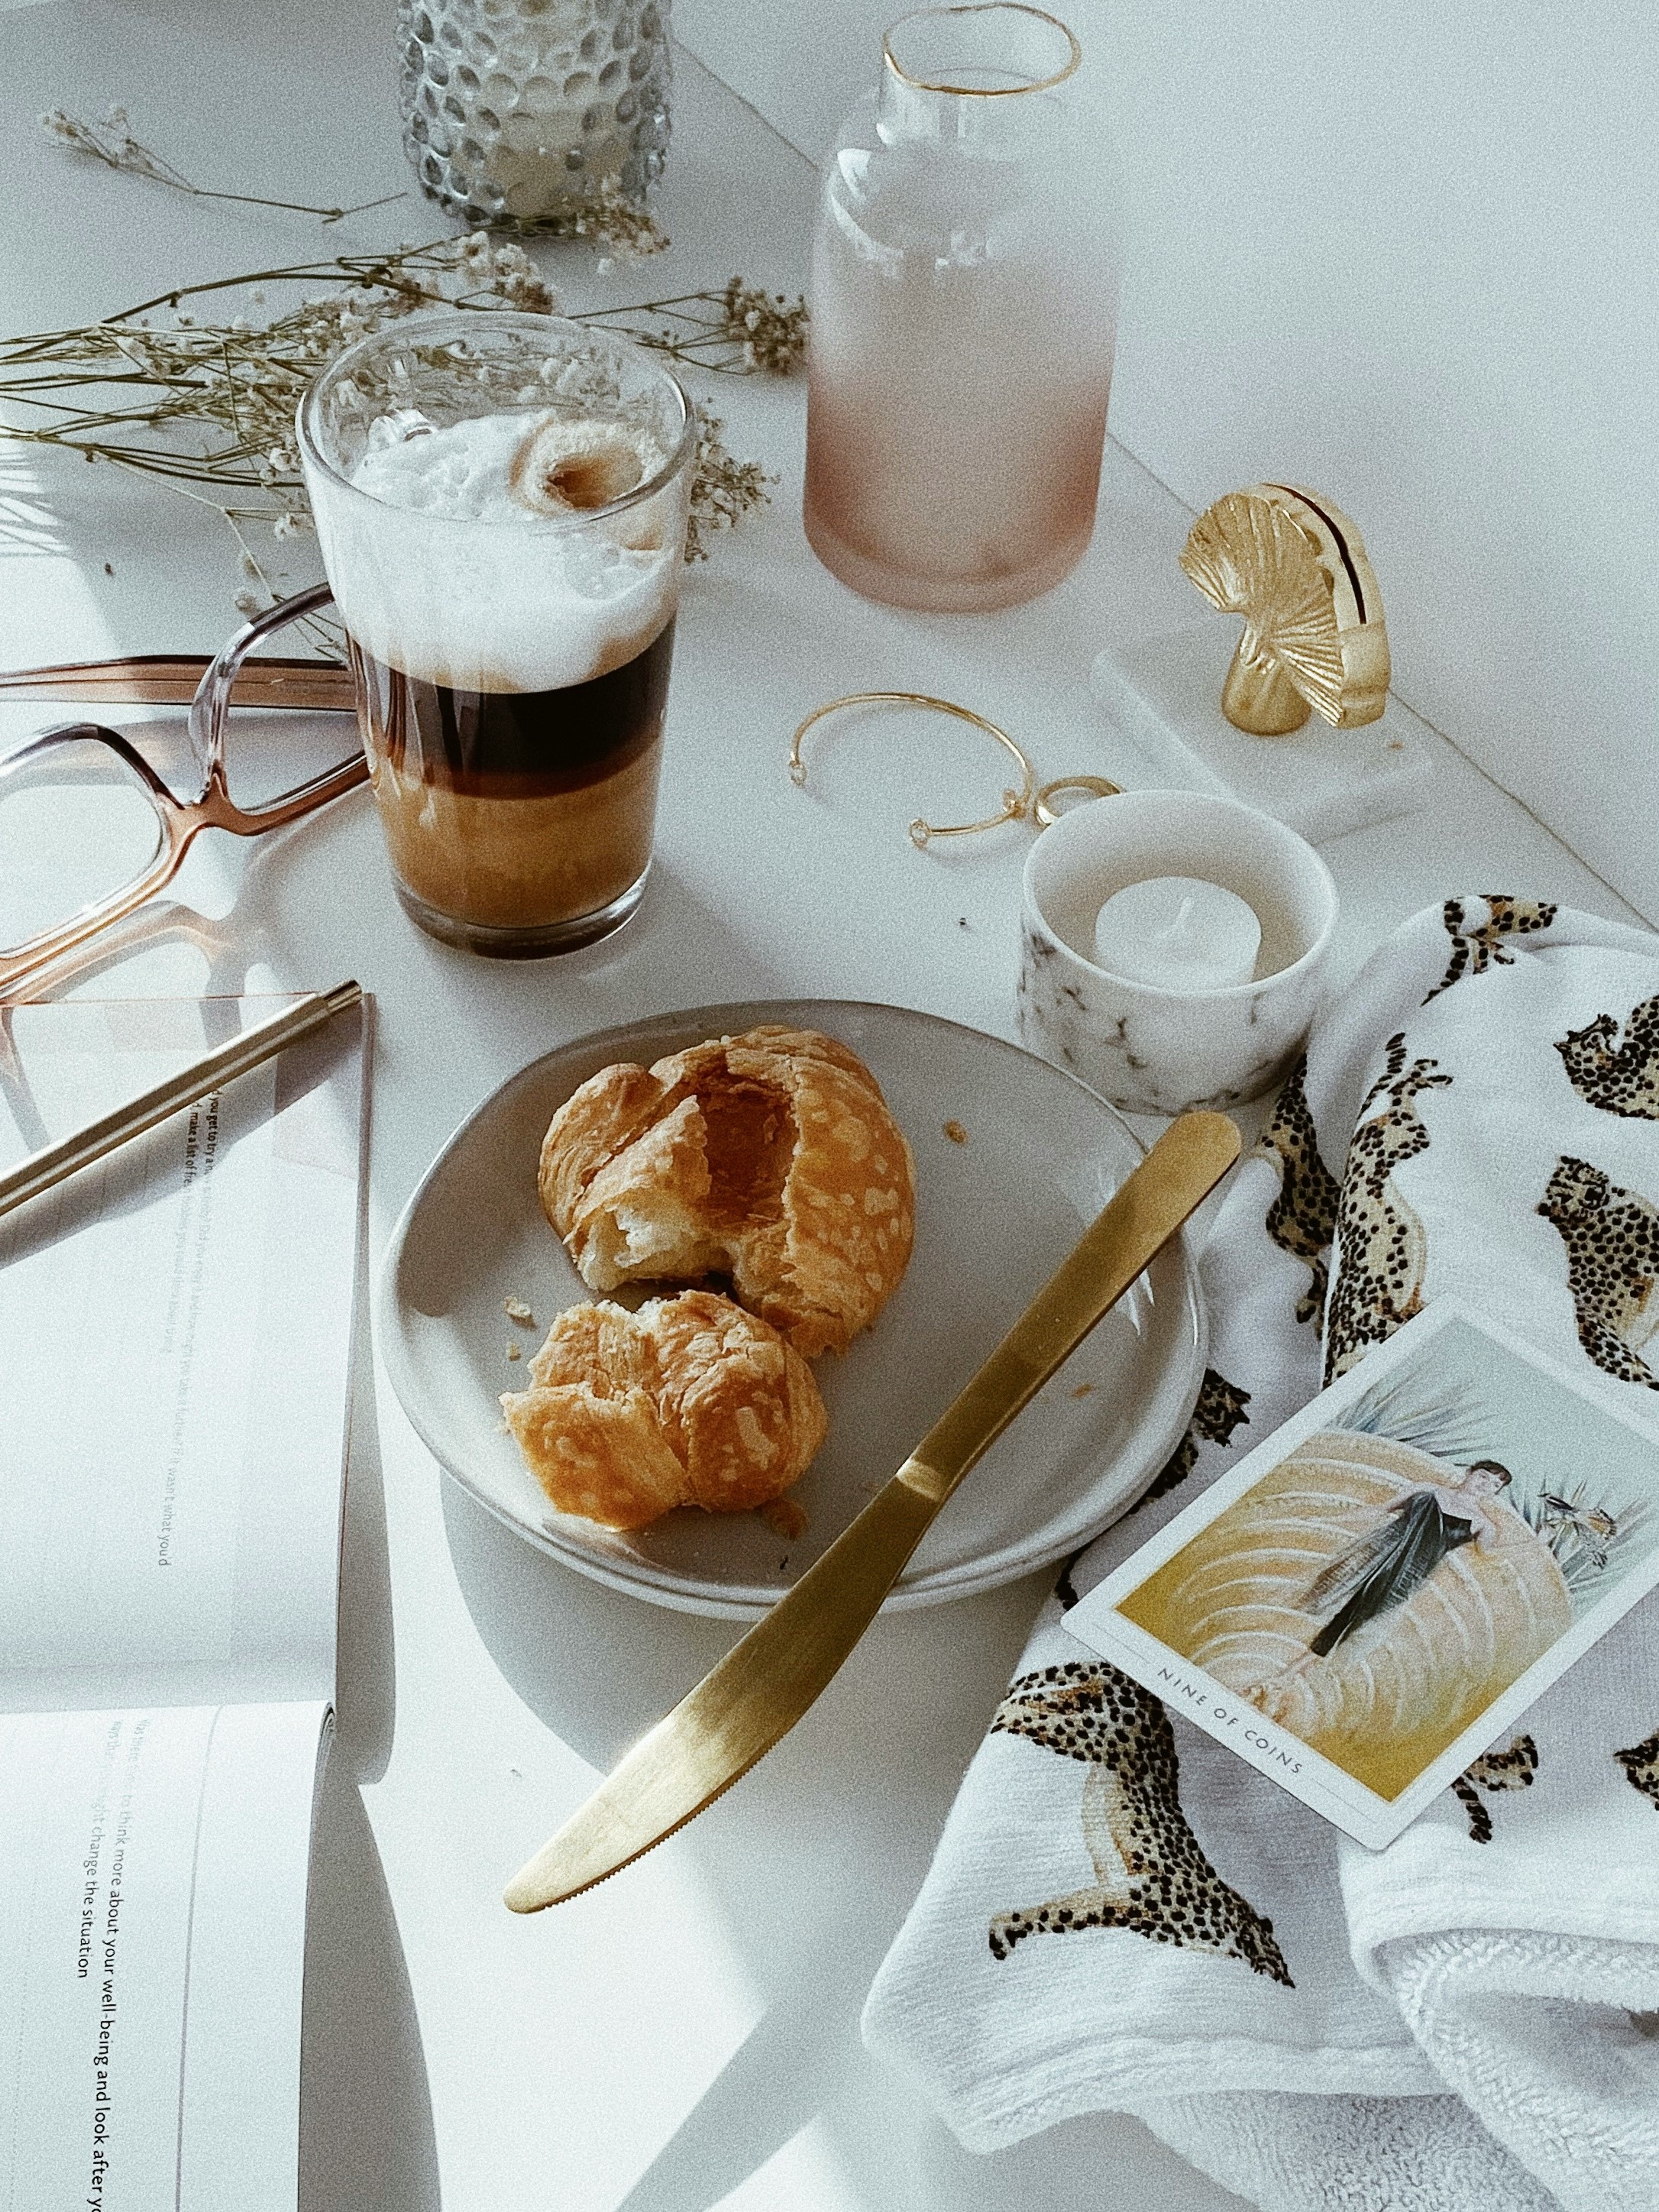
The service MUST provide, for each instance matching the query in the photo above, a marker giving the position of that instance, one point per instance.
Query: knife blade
(772, 1676)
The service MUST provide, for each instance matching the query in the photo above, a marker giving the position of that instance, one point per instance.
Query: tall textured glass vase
(518, 111)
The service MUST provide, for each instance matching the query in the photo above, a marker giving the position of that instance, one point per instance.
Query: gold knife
(768, 1680)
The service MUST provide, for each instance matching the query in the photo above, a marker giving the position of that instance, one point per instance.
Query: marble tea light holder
(1148, 1049)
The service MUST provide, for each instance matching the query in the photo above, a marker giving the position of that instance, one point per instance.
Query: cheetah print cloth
(1494, 1770)
(1379, 1284)
(1121, 1915)
(1151, 1874)
(1220, 1410)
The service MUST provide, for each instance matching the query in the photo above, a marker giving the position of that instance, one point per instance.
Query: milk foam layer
(441, 571)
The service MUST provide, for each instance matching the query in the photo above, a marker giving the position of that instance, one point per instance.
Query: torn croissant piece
(689, 1401)
(1296, 569)
(563, 466)
(770, 1158)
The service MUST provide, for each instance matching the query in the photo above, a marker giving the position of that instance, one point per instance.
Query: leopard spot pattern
(1220, 1410)
(1382, 1246)
(1618, 1077)
(1612, 1241)
(1641, 1766)
(1302, 1219)
(1494, 1771)
(1478, 946)
(1153, 1878)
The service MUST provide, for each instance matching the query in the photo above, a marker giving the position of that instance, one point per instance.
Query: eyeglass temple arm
(211, 704)
(172, 679)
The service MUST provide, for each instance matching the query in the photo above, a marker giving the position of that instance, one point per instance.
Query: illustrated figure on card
(1392, 1576)
(1388, 1566)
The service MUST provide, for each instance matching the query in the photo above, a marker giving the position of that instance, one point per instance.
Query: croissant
(770, 1157)
(689, 1401)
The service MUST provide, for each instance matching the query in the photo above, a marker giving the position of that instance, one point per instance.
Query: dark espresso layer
(516, 744)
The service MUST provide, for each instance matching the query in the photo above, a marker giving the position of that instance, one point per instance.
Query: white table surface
(685, 2036)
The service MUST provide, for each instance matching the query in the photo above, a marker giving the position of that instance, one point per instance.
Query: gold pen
(53, 1162)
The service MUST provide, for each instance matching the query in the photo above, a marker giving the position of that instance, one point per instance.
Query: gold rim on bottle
(982, 91)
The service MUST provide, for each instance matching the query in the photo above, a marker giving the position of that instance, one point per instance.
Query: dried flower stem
(730, 333)
(605, 218)
(212, 405)
(723, 490)
(111, 142)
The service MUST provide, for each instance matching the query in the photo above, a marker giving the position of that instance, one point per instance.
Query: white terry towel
(1470, 2017)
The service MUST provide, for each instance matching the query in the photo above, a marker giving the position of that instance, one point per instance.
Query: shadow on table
(366, 2134)
(597, 1667)
(365, 2131)
(1101, 2162)
(365, 1703)
(600, 1669)
(810, 1863)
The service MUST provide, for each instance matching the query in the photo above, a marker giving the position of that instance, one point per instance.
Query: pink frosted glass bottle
(964, 310)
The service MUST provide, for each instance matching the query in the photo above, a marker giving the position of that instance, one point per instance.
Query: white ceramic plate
(994, 1217)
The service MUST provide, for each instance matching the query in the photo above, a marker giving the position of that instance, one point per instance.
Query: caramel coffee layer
(520, 863)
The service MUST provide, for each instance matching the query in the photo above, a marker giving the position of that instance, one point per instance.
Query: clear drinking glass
(964, 313)
(501, 502)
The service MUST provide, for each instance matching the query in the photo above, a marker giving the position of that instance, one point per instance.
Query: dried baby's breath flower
(515, 277)
(208, 408)
(608, 220)
(723, 490)
(734, 333)
(771, 333)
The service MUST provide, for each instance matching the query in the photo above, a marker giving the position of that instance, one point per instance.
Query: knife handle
(1183, 1166)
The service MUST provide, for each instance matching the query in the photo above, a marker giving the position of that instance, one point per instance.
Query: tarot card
(1382, 1588)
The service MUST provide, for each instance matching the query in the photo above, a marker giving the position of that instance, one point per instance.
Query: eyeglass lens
(76, 825)
(269, 753)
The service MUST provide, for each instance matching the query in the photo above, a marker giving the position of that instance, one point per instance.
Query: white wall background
(1406, 252)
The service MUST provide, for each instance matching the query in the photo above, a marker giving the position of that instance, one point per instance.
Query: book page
(153, 1876)
(177, 1321)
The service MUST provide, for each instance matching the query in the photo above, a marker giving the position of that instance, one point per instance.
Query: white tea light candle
(1178, 933)
(1154, 1048)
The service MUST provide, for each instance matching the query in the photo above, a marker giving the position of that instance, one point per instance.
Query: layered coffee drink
(513, 810)
(508, 580)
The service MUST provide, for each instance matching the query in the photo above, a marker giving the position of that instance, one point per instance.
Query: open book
(175, 1335)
